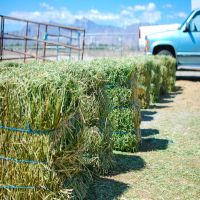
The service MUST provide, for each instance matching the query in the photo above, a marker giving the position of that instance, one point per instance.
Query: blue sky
(113, 12)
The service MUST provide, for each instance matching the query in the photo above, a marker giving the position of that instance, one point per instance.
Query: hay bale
(125, 113)
(163, 76)
(156, 78)
(168, 74)
(143, 70)
(49, 97)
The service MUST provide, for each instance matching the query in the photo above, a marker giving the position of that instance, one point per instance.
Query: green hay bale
(94, 109)
(121, 89)
(55, 96)
(156, 78)
(163, 76)
(40, 99)
(144, 73)
(169, 75)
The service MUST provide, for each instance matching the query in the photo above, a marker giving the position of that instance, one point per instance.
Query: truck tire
(165, 52)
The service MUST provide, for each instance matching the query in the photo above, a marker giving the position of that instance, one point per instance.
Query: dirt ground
(167, 165)
(188, 86)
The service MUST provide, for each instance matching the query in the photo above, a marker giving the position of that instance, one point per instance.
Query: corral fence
(25, 39)
(110, 44)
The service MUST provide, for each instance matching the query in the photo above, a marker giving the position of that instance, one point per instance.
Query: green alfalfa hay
(119, 77)
(94, 109)
(169, 74)
(156, 78)
(143, 70)
(163, 75)
(24, 100)
(87, 161)
(125, 113)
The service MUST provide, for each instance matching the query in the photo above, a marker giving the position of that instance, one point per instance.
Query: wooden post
(25, 46)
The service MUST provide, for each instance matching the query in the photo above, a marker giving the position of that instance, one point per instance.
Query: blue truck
(183, 44)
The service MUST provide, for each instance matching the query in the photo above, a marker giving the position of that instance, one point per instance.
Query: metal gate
(30, 40)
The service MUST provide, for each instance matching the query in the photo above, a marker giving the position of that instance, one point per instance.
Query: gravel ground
(167, 165)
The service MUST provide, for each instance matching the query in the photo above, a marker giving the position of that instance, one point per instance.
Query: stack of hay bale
(59, 122)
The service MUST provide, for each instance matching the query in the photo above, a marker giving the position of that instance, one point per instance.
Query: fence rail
(35, 39)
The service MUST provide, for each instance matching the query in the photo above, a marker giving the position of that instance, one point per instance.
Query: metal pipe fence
(110, 44)
(40, 41)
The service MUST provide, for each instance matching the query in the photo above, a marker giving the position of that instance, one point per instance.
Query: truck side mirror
(187, 27)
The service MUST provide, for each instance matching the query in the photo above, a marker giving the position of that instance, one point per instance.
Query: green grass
(167, 165)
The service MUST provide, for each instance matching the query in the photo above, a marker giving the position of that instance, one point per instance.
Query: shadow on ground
(127, 163)
(153, 144)
(147, 115)
(105, 188)
(167, 98)
(149, 132)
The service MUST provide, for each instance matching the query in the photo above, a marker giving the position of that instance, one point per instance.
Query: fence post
(70, 42)
(83, 45)
(45, 44)
(37, 45)
(25, 45)
(57, 47)
(79, 43)
(2, 37)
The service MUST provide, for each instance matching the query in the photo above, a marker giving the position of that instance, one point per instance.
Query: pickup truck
(183, 44)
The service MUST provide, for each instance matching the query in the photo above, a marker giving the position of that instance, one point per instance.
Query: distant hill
(89, 25)
(92, 27)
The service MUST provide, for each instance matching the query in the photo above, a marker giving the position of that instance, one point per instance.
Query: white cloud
(176, 15)
(151, 7)
(127, 15)
(26, 15)
(168, 6)
(141, 13)
(47, 6)
(125, 12)
(151, 17)
(148, 7)
(139, 8)
(181, 15)
(97, 15)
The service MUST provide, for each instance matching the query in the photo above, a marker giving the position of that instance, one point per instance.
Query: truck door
(189, 50)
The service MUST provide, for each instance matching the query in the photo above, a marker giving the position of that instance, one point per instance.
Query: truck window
(195, 23)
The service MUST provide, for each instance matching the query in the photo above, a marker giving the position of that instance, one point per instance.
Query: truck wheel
(165, 52)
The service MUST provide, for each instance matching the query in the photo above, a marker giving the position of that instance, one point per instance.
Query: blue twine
(17, 187)
(22, 161)
(27, 130)
(23, 187)
(120, 132)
